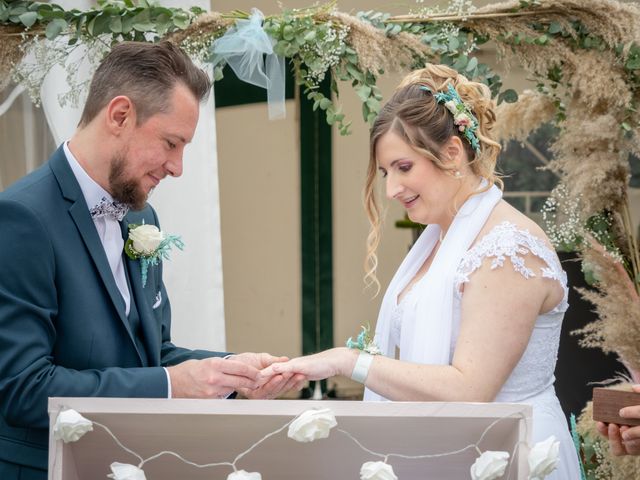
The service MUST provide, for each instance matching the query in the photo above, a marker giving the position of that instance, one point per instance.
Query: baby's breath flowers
(567, 230)
(561, 216)
(325, 51)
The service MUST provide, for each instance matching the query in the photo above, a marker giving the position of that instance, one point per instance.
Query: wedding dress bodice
(531, 381)
(534, 372)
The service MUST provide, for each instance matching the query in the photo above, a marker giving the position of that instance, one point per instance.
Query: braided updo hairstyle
(426, 125)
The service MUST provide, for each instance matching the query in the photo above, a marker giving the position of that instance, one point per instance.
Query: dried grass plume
(515, 121)
(618, 306)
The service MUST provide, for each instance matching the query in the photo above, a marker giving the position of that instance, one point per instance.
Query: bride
(476, 307)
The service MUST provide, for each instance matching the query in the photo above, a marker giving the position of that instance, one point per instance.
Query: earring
(457, 174)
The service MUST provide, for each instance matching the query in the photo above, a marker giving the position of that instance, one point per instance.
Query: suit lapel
(79, 212)
(148, 322)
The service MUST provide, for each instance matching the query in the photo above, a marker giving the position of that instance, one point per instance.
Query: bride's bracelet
(368, 349)
(361, 368)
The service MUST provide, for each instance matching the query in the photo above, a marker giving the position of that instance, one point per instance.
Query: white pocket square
(158, 300)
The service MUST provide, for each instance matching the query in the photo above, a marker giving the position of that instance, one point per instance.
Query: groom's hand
(211, 378)
(257, 360)
(269, 386)
(276, 386)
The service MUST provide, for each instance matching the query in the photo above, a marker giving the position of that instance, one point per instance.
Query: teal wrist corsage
(364, 342)
(149, 245)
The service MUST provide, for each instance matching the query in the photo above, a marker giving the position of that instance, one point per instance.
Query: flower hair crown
(463, 116)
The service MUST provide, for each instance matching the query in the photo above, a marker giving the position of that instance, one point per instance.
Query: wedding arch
(583, 54)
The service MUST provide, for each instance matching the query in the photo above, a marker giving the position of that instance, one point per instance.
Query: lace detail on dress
(506, 240)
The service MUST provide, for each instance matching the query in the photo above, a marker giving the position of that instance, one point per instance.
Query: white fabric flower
(543, 458)
(71, 426)
(124, 471)
(312, 425)
(146, 238)
(242, 475)
(377, 471)
(451, 106)
(490, 465)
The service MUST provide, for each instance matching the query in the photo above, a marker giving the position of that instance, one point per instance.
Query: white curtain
(188, 206)
(25, 140)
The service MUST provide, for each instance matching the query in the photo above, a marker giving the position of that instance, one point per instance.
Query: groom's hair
(146, 73)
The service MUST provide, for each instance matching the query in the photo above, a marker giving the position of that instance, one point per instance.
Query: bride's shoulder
(509, 237)
(508, 223)
(509, 234)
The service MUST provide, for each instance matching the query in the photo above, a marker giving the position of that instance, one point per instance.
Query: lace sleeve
(507, 241)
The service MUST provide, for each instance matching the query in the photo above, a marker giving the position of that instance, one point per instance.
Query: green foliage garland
(312, 41)
(303, 37)
(121, 20)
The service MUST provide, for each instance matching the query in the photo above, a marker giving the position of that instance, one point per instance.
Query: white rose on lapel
(377, 471)
(124, 471)
(490, 465)
(242, 475)
(146, 238)
(543, 458)
(312, 425)
(71, 426)
(149, 245)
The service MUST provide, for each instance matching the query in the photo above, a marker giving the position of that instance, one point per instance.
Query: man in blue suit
(75, 317)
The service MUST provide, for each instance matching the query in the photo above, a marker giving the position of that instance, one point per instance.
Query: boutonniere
(149, 245)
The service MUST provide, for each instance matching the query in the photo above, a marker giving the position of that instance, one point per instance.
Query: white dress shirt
(108, 227)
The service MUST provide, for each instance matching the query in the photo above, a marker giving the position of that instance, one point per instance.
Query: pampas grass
(515, 121)
(617, 304)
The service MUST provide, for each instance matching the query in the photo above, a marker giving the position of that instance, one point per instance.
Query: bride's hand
(330, 363)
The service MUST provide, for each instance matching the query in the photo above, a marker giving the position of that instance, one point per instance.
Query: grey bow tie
(108, 208)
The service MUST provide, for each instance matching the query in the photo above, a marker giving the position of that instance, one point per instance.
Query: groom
(75, 318)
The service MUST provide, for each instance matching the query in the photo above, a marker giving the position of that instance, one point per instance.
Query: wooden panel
(607, 403)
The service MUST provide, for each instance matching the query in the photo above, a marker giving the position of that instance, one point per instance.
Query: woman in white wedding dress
(476, 307)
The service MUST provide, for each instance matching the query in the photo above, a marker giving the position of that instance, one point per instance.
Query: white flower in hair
(312, 425)
(490, 465)
(377, 471)
(124, 471)
(543, 458)
(243, 475)
(451, 106)
(70, 426)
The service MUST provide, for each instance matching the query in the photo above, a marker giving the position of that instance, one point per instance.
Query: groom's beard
(123, 189)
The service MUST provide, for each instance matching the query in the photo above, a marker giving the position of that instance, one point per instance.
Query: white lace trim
(506, 240)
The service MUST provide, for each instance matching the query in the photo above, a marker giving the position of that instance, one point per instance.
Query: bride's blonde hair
(426, 125)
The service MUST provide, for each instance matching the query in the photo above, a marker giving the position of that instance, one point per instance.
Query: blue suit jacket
(63, 328)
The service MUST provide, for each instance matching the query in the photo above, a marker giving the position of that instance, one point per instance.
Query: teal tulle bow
(248, 50)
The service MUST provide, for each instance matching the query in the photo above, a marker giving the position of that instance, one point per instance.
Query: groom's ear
(120, 114)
